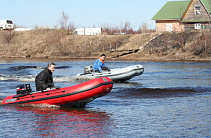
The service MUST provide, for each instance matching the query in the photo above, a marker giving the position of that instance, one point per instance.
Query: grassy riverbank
(51, 43)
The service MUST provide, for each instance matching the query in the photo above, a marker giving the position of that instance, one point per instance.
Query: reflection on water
(49, 122)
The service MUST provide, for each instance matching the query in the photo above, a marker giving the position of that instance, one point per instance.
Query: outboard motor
(23, 88)
(88, 69)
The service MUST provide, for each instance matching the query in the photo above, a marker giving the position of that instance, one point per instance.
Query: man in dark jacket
(44, 80)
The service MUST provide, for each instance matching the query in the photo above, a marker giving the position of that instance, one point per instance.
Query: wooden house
(184, 15)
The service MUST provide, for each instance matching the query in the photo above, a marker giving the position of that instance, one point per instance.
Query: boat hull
(77, 95)
(119, 74)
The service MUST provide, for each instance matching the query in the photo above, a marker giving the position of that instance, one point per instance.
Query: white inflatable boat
(118, 74)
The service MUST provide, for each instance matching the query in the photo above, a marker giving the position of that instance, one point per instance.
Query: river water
(170, 99)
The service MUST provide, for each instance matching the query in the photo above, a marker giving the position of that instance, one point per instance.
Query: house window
(197, 10)
(169, 27)
(197, 26)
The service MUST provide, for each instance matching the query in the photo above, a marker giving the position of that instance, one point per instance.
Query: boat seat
(89, 74)
(96, 73)
(106, 72)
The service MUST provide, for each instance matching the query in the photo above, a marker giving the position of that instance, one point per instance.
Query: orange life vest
(101, 60)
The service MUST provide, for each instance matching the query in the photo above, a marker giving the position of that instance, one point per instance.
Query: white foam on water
(25, 78)
(31, 78)
(64, 79)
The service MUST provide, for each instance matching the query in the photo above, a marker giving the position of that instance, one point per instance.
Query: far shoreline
(155, 59)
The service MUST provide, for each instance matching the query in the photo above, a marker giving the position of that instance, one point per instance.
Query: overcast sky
(83, 13)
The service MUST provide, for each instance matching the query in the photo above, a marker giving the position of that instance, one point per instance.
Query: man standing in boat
(44, 80)
(99, 65)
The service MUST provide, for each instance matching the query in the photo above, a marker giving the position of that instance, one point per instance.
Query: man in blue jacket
(99, 65)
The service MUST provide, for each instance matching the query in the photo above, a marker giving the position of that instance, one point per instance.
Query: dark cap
(103, 55)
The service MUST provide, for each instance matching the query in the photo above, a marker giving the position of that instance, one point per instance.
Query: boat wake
(27, 78)
(31, 78)
(139, 93)
(17, 68)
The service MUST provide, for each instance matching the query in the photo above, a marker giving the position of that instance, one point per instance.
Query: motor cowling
(88, 69)
(23, 88)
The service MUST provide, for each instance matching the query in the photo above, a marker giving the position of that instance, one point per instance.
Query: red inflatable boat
(74, 96)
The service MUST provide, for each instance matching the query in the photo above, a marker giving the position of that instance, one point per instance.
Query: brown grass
(55, 43)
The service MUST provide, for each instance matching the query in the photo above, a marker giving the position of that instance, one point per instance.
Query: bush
(202, 45)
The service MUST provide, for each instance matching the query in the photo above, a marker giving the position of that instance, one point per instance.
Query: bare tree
(179, 12)
(109, 29)
(63, 20)
(121, 27)
(117, 29)
(127, 26)
(18, 26)
(72, 26)
(209, 1)
(144, 28)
